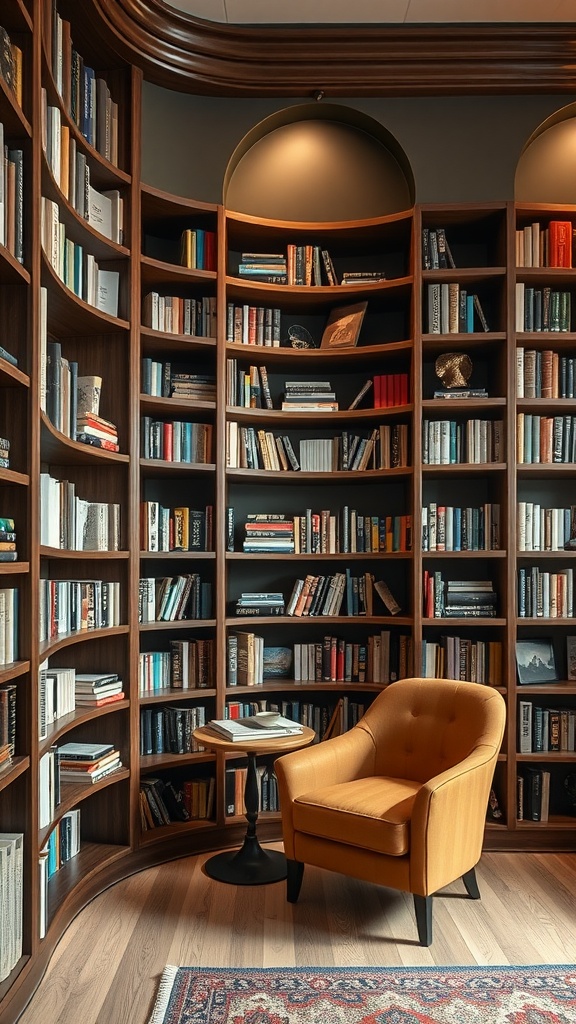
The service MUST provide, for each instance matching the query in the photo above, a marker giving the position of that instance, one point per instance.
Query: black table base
(251, 864)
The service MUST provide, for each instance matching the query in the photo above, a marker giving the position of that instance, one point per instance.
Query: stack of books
(470, 598)
(87, 762)
(8, 552)
(263, 726)
(264, 267)
(269, 533)
(260, 603)
(309, 396)
(95, 689)
(363, 277)
(100, 433)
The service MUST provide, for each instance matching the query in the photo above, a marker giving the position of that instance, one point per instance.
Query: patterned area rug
(355, 995)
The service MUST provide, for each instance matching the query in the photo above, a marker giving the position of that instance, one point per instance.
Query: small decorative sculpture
(454, 369)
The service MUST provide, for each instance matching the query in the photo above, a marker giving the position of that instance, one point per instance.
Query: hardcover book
(343, 326)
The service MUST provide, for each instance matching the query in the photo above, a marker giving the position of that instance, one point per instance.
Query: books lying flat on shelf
(84, 751)
(252, 728)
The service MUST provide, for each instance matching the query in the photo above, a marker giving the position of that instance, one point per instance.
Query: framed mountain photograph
(535, 661)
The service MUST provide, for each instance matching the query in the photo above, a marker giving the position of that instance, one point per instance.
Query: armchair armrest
(448, 821)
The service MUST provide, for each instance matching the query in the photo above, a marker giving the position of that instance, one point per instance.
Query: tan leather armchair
(400, 799)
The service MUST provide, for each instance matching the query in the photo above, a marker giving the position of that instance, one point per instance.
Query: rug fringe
(163, 996)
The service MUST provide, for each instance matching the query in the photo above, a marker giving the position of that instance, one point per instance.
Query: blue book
(469, 314)
(457, 530)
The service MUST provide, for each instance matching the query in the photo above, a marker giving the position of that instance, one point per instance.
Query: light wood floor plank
(106, 968)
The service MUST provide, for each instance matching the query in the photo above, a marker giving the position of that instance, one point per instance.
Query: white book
(100, 212)
(108, 286)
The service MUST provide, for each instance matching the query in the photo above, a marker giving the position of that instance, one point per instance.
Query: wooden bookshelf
(394, 339)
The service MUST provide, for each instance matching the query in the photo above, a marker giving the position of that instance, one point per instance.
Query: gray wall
(461, 149)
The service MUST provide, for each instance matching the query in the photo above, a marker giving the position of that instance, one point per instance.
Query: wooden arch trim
(178, 51)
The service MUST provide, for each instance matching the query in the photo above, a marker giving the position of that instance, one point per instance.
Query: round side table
(251, 864)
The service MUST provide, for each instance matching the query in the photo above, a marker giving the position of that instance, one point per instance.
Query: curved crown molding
(178, 51)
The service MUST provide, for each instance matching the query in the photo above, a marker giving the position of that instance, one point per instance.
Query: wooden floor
(105, 970)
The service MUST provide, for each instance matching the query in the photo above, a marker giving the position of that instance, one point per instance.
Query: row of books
(198, 249)
(169, 730)
(456, 657)
(542, 309)
(72, 400)
(62, 690)
(545, 595)
(340, 593)
(382, 658)
(173, 314)
(164, 802)
(451, 528)
(174, 598)
(165, 379)
(247, 387)
(77, 269)
(451, 442)
(253, 325)
(72, 606)
(545, 439)
(250, 448)
(544, 374)
(8, 549)
(63, 843)
(326, 532)
(538, 245)
(11, 899)
(11, 198)
(457, 598)
(8, 717)
(235, 783)
(533, 794)
(11, 58)
(176, 529)
(176, 440)
(454, 310)
(545, 728)
(4, 452)
(70, 169)
(245, 659)
(9, 614)
(73, 523)
(86, 97)
(188, 665)
(436, 252)
(544, 529)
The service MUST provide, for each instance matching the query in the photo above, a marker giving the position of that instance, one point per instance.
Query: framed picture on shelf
(535, 661)
(343, 326)
(571, 657)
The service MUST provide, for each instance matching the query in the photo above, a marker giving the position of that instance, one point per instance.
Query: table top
(274, 745)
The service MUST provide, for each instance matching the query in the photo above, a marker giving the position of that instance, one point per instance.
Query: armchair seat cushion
(372, 813)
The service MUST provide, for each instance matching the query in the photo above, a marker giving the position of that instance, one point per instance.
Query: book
(384, 592)
(251, 728)
(343, 326)
(363, 391)
(84, 751)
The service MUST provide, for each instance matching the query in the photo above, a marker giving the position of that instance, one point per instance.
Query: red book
(98, 702)
(167, 439)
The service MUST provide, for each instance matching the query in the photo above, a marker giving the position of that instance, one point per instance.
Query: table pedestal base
(250, 865)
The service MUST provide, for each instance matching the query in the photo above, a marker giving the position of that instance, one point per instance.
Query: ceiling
(378, 12)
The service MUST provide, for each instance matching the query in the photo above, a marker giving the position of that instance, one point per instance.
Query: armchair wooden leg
(423, 909)
(471, 884)
(294, 880)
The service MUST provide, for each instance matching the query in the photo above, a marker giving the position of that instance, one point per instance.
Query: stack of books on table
(470, 599)
(255, 727)
(309, 396)
(87, 762)
(94, 689)
(269, 533)
(266, 267)
(260, 603)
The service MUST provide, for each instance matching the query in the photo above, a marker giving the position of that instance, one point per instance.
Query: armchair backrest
(421, 727)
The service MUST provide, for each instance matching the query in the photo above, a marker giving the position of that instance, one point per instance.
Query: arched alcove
(546, 171)
(318, 162)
